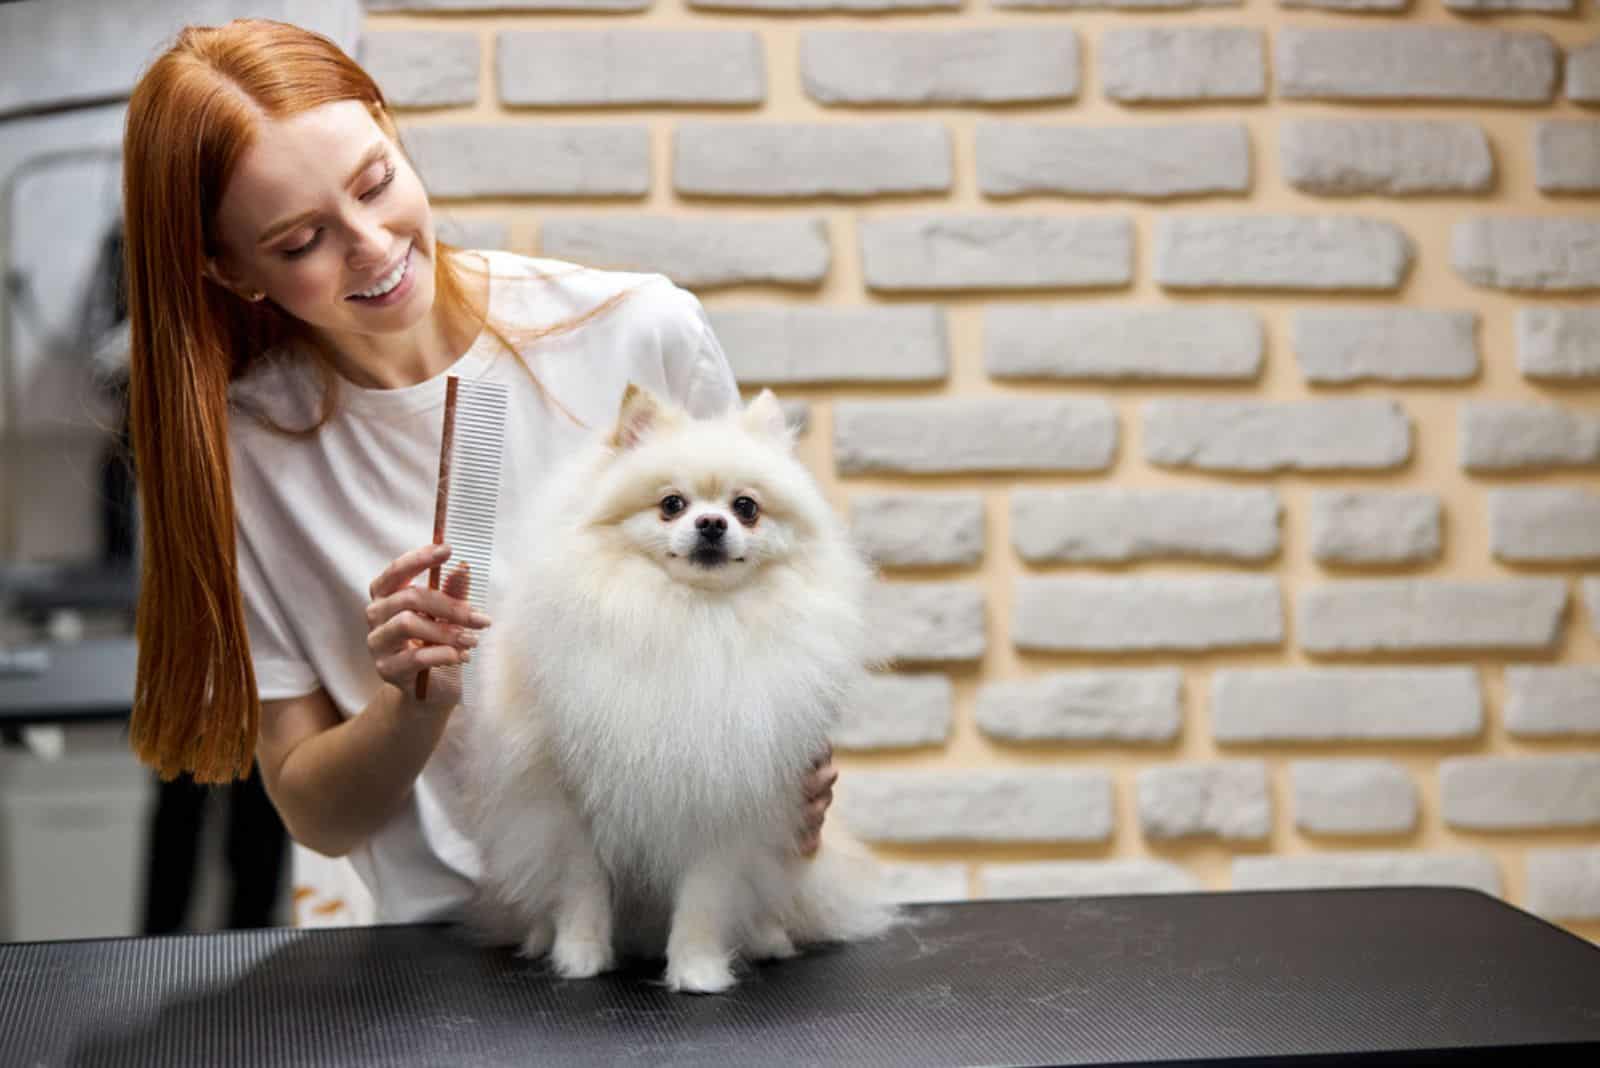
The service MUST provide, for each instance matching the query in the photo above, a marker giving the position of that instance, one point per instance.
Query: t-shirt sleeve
(698, 374)
(280, 666)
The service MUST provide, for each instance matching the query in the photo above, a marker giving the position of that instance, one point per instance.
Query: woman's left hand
(819, 795)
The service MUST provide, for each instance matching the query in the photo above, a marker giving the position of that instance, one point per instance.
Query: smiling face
(325, 217)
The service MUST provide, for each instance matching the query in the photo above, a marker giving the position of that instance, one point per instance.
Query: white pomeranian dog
(684, 622)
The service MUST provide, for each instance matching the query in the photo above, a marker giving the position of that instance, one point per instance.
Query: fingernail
(466, 657)
(441, 550)
(467, 638)
(480, 620)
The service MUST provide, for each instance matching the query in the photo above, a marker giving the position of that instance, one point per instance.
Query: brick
(1475, 871)
(952, 252)
(1564, 884)
(979, 66)
(896, 712)
(1227, 799)
(1506, 436)
(1017, 805)
(1114, 341)
(968, 434)
(507, 5)
(1348, 5)
(703, 252)
(1561, 343)
(773, 160)
(1352, 797)
(1280, 252)
(423, 68)
(1104, 705)
(1249, 435)
(910, 881)
(1183, 63)
(1511, 5)
(825, 5)
(1366, 704)
(796, 414)
(55, 55)
(790, 344)
(1158, 161)
(1583, 73)
(1395, 157)
(472, 233)
(1558, 701)
(1520, 793)
(1544, 523)
(927, 621)
(1386, 615)
(1376, 526)
(1566, 155)
(471, 160)
(1447, 63)
(1119, 524)
(1113, 613)
(1084, 878)
(1338, 345)
(1116, 5)
(565, 68)
(919, 529)
(1590, 588)
(1544, 253)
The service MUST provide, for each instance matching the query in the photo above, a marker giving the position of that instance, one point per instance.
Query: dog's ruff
(648, 723)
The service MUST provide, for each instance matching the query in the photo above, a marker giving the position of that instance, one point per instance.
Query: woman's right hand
(410, 627)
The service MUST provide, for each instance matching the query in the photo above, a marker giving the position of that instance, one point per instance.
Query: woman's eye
(388, 176)
(672, 504)
(301, 250)
(746, 509)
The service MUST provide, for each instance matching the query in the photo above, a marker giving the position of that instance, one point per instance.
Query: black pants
(256, 846)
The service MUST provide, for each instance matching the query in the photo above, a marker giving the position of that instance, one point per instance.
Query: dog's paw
(538, 940)
(704, 974)
(577, 958)
(772, 943)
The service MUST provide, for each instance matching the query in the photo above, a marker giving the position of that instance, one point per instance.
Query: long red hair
(190, 119)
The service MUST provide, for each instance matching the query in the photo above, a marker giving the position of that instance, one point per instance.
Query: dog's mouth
(709, 556)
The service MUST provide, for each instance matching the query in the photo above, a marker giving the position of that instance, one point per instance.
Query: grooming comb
(468, 494)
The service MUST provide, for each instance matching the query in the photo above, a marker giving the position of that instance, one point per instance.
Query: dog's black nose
(711, 527)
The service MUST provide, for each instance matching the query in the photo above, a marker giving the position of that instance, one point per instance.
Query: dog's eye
(671, 505)
(746, 509)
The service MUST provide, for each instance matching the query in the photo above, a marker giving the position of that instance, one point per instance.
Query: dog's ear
(640, 414)
(764, 417)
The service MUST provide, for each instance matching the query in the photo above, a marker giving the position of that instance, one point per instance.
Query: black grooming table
(1380, 976)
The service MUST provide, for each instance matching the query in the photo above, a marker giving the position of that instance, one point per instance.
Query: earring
(256, 296)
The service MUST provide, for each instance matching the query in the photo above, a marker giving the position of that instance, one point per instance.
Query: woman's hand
(411, 627)
(819, 795)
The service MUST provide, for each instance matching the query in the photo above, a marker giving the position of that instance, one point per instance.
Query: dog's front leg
(698, 957)
(583, 946)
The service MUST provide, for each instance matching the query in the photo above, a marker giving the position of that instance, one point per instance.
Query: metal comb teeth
(473, 493)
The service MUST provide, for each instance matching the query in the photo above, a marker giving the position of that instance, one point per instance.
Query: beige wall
(1433, 408)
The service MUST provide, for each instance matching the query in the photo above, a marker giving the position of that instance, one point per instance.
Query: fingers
(399, 574)
(437, 604)
(407, 626)
(404, 665)
(820, 782)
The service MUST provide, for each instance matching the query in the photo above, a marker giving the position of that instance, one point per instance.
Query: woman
(293, 320)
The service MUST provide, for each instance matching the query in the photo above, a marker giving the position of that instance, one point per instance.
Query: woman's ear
(214, 270)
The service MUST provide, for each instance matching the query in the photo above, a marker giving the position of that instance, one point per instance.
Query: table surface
(67, 682)
(1369, 976)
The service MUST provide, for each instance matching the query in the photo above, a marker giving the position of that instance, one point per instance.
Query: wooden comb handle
(441, 499)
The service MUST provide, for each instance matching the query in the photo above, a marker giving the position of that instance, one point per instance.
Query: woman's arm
(335, 783)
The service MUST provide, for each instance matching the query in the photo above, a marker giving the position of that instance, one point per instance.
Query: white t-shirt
(319, 518)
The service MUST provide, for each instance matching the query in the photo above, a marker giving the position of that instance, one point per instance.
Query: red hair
(190, 119)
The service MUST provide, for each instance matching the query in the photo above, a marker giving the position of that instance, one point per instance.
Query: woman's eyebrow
(371, 156)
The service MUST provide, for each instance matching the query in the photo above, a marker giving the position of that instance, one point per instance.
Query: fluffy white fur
(655, 700)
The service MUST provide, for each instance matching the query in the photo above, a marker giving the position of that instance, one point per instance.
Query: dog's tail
(841, 895)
